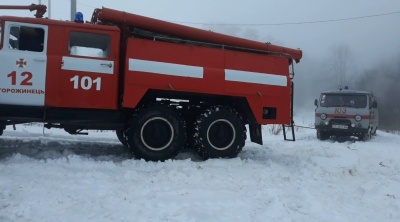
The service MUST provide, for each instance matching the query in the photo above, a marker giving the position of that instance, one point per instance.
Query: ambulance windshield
(344, 100)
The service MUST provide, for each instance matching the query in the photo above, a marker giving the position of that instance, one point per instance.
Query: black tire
(156, 133)
(322, 135)
(374, 132)
(2, 128)
(190, 138)
(190, 116)
(366, 136)
(121, 137)
(219, 133)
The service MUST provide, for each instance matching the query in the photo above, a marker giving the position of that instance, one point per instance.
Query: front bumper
(349, 130)
(342, 126)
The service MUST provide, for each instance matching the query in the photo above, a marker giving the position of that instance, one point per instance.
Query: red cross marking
(21, 63)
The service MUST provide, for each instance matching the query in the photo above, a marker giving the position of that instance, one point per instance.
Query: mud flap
(255, 133)
(2, 128)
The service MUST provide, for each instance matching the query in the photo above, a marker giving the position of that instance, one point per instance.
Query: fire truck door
(87, 75)
(23, 64)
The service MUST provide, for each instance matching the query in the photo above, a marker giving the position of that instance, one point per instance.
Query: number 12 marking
(25, 82)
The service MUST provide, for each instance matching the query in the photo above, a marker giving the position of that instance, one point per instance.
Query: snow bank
(58, 177)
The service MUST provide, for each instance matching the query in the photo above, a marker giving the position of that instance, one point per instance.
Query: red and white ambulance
(346, 113)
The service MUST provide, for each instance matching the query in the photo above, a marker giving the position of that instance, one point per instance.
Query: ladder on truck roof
(125, 20)
(40, 9)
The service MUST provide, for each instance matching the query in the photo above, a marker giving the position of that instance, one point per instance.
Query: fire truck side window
(26, 38)
(89, 44)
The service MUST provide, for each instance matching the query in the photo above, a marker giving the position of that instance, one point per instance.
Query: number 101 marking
(86, 82)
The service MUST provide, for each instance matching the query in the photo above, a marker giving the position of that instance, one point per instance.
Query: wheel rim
(157, 133)
(221, 134)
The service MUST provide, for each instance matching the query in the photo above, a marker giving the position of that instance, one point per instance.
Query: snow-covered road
(57, 177)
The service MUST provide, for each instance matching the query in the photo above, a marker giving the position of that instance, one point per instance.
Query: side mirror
(316, 102)
(374, 104)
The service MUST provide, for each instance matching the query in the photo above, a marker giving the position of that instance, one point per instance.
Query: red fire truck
(161, 86)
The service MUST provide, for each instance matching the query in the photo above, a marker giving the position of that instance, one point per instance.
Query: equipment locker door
(88, 76)
(23, 64)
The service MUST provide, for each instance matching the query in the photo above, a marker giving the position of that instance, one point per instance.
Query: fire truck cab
(160, 86)
(42, 59)
(346, 113)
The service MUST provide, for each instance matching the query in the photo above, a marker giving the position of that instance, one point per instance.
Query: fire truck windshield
(344, 100)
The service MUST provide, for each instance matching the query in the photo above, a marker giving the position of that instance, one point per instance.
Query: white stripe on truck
(255, 77)
(165, 68)
(173, 69)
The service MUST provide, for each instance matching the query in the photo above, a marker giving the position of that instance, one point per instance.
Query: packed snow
(48, 175)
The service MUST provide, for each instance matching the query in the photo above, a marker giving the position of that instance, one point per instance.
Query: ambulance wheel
(121, 137)
(157, 133)
(367, 135)
(219, 133)
(322, 135)
(374, 132)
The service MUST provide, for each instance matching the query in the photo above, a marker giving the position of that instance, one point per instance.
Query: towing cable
(306, 127)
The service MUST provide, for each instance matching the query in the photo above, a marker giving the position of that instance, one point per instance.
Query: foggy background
(354, 43)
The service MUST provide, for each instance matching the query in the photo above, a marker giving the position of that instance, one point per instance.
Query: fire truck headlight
(358, 118)
(326, 123)
(323, 116)
(353, 125)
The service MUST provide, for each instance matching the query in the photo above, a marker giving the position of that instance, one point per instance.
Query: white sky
(370, 39)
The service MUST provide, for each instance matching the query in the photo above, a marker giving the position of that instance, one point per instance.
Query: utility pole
(73, 9)
(49, 9)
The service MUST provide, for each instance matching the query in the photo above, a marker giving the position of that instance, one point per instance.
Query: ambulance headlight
(358, 118)
(323, 116)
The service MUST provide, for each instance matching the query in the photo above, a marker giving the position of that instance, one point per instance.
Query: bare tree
(384, 81)
(340, 62)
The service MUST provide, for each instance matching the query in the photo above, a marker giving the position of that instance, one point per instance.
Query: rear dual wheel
(157, 133)
(219, 133)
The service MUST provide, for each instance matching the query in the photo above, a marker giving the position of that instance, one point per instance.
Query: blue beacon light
(78, 17)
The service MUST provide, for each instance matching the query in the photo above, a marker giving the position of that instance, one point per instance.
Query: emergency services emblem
(21, 63)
